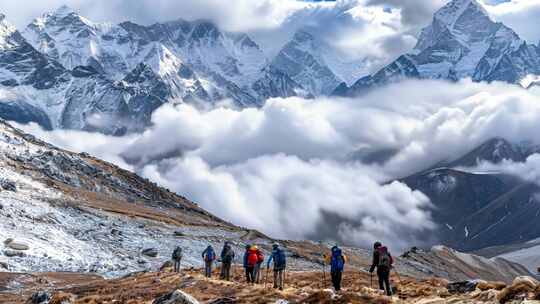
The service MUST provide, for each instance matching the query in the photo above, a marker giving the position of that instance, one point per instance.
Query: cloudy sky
(376, 30)
(261, 168)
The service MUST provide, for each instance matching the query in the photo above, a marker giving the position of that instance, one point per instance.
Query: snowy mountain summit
(66, 71)
(461, 42)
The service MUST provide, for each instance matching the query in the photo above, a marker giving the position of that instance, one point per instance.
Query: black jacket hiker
(227, 258)
(382, 260)
(177, 258)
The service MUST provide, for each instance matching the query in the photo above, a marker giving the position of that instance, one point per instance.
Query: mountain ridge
(462, 41)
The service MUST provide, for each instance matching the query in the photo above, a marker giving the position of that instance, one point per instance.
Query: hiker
(257, 270)
(382, 260)
(246, 266)
(177, 258)
(280, 263)
(337, 262)
(227, 257)
(209, 256)
(251, 260)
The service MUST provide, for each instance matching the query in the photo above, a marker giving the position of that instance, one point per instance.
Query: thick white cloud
(521, 16)
(528, 171)
(292, 168)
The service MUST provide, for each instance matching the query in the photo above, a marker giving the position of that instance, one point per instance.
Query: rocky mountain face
(62, 211)
(462, 41)
(65, 71)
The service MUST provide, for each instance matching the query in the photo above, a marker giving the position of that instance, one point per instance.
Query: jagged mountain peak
(64, 10)
(6, 30)
(63, 16)
(303, 35)
(463, 21)
(453, 10)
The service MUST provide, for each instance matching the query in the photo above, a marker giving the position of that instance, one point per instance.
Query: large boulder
(40, 297)
(519, 289)
(176, 297)
(462, 287)
(151, 252)
(8, 185)
(14, 253)
(18, 246)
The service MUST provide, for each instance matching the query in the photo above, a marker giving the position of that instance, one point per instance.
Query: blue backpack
(210, 254)
(337, 262)
(279, 259)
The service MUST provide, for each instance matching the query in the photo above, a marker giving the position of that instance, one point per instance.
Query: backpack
(177, 254)
(338, 261)
(279, 259)
(252, 258)
(228, 254)
(260, 257)
(210, 255)
(385, 259)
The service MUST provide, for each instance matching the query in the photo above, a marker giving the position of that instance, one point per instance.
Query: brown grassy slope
(304, 287)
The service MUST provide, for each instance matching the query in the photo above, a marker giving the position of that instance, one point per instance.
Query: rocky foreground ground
(301, 287)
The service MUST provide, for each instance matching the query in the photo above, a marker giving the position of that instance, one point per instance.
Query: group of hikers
(254, 258)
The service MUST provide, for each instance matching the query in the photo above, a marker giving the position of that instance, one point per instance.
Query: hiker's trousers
(384, 280)
(336, 279)
(208, 268)
(278, 278)
(226, 271)
(250, 274)
(257, 271)
(177, 265)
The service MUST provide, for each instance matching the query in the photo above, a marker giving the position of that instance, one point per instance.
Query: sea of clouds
(314, 168)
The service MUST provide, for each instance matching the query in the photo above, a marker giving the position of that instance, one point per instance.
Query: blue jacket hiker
(280, 263)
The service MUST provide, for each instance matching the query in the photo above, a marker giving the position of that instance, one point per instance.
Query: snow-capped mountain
(314, 64)
(462, 41)
(302, 60)
(65, 71)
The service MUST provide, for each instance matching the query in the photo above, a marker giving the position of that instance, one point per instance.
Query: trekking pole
(266, 279)
(324, 275)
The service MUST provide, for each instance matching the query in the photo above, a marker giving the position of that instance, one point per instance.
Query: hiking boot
(281, 288)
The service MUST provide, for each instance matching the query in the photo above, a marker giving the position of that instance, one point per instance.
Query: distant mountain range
(462, 41)
(475, 210)
(65, 71)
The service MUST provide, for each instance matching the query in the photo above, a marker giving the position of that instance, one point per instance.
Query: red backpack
(252, 258)
(260, 257)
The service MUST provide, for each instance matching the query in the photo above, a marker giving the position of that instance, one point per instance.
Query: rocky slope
(65, 212)
(462, 41)
(301, 287)
(73, 212)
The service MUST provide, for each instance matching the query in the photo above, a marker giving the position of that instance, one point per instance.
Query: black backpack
(228, 254)
(385, 260)
(177, 254)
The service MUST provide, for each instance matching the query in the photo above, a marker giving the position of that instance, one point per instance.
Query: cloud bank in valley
(289, 165)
